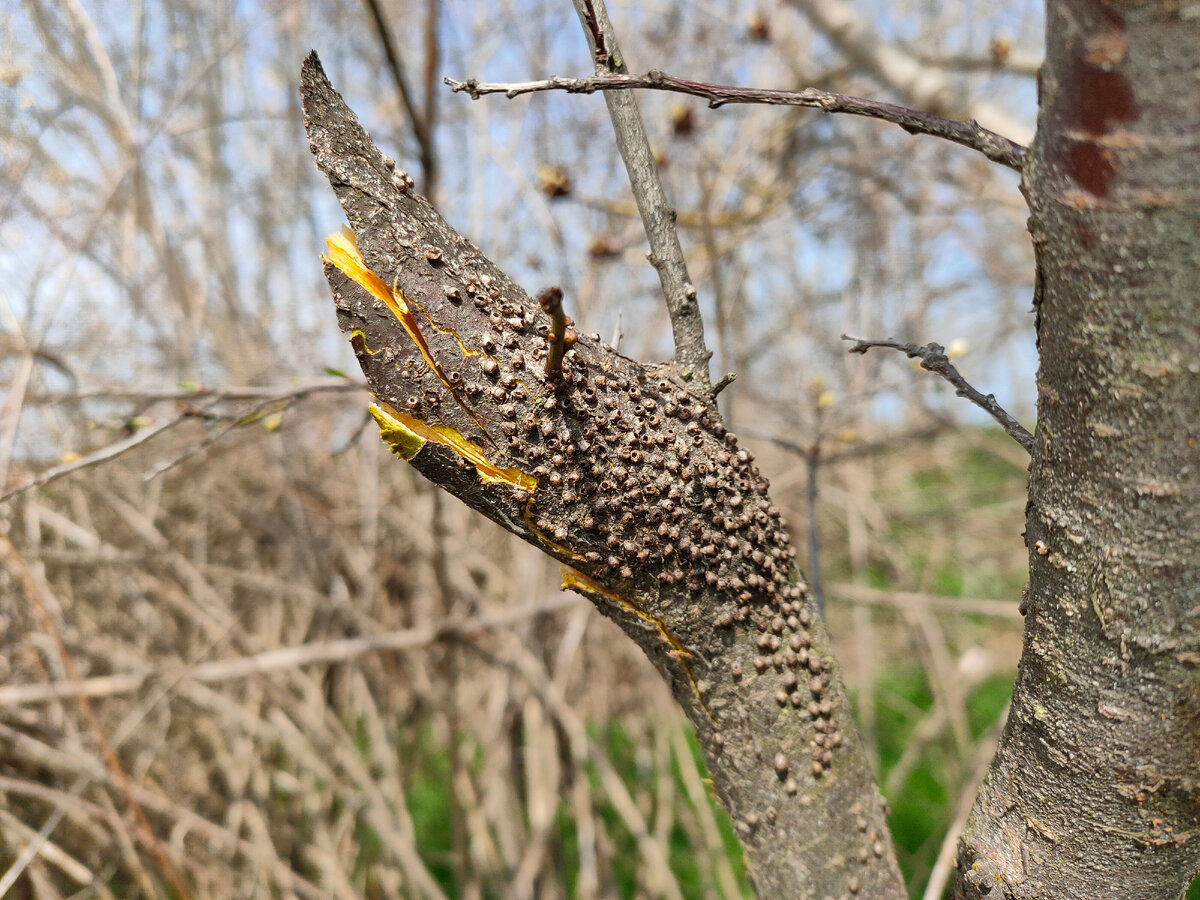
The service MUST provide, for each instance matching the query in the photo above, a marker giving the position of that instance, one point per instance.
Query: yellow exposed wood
(343, 253)
(407, 435)
(580, 583)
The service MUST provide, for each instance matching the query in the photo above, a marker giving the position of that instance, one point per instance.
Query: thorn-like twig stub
(933, 359)
(723, 382)
(561, 337)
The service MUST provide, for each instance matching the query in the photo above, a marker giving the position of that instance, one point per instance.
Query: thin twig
(723, 382)
(266, 396)
(429, 156)
(420, 124)
(243, 417)
(854, 451)
(859, 595)
(658, 216)
(561, 336)
(970, 134)
(104, 454)
(812, 461)
(1001, 59)
(933, 358)
(284, 658)
(334, 384)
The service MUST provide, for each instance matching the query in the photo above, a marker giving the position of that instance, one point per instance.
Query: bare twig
(812, 461)
(933, 358)
(420, 121)
(859, 595)
(813, 458)
(723, 382)
(858, 450)
(561, 337)
(658, 216)
(1002, 58)
(230, 392)
(104, 454)
(970, 134)
(265, 395)
(429, 157)
(284, 658)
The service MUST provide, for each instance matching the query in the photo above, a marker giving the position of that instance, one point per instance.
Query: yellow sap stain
(407, 435)
(446, 329)
(343, 253)
(577, 581)
(404, 442)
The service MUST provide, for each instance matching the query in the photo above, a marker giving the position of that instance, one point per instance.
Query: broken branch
(628, 477)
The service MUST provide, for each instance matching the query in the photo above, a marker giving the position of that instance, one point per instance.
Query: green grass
(921, 806)
(431, 805)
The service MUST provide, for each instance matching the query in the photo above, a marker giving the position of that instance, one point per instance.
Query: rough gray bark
(625, 473)
(1095, 789)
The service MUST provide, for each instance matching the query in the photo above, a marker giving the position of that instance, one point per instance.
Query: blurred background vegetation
(244, 653)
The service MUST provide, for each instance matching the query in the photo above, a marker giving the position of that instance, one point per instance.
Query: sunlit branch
(933, 359)
(968, 134)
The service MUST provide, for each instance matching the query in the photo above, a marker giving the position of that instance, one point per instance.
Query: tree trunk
(618, 470)
(1094, 789)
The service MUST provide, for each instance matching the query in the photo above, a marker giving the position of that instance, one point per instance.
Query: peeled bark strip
(618, 470)
(1095, 790)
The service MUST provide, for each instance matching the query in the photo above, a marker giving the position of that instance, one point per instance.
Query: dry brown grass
(318, 677)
